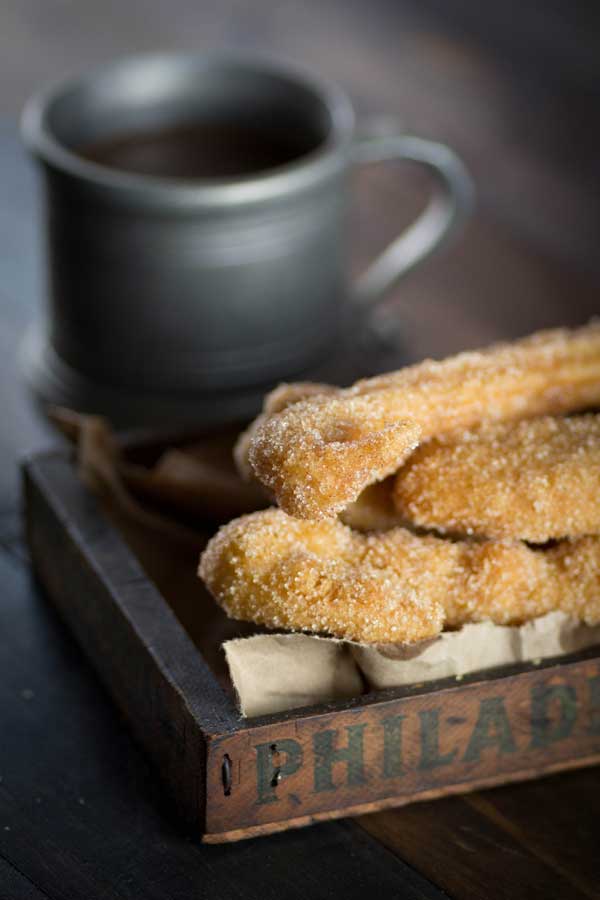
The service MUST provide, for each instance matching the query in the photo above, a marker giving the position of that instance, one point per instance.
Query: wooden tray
(234, 778)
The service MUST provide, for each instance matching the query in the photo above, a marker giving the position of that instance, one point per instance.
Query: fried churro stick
(316, 576)
(394, 587)
(374, 509)
(275, 401)
(535, 480)
(317, 455)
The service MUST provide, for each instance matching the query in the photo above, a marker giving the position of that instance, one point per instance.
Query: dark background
(514, 87)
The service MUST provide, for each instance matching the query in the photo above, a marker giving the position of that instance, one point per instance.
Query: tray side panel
(402, 750)
(143, 656)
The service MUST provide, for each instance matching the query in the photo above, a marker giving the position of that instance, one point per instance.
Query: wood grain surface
(521, 840)
(419, 744)
(514, 89)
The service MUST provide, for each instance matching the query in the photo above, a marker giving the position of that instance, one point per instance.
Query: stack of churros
(447, 492)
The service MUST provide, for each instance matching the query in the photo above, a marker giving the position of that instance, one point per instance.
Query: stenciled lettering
(492, 729)
(544, 729)
(392, 747)
(274, 761)
(327, 754)
(594, 686)
(431, 758)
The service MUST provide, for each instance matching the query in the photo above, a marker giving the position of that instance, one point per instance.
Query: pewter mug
(178, 299)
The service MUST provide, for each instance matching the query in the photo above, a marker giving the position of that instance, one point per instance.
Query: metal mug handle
(448, 207)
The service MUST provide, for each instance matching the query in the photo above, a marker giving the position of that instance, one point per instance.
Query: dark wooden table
(82, 814)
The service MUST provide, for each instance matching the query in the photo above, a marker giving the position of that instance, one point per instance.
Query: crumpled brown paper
(168, 506)
(277, 672)
(474, 648)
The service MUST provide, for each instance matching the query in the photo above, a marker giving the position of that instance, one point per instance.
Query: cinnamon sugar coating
(391, 587)
(317, 455)
(535, 480)
(373, 510)
(284, 395)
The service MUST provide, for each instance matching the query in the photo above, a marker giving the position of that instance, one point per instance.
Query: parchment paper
(474, 648)
(275, 672)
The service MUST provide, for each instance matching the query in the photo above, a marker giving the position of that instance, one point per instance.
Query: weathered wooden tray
(234, 778)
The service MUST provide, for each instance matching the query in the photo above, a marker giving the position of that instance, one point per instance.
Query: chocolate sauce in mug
(200, 150)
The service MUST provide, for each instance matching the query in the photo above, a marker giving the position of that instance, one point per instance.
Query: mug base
(361, 352)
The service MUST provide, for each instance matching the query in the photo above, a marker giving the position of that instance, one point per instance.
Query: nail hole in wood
(276, 768)
(226, 775)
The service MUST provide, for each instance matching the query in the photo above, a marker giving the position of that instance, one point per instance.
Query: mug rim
(306, 170)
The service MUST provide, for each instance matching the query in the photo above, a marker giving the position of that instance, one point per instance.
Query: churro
(394, 587)
(317, 455)
(373, 510)
(284, 395)
(536, 480)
